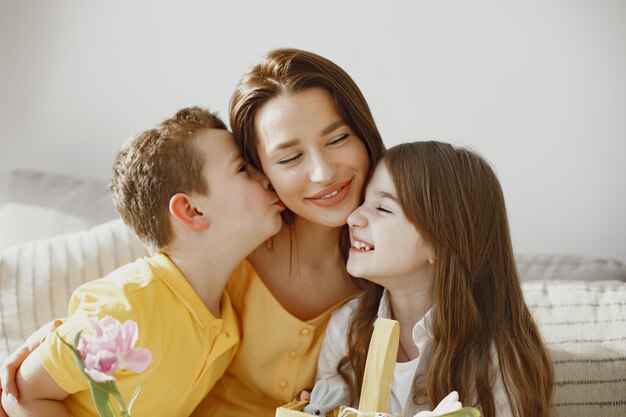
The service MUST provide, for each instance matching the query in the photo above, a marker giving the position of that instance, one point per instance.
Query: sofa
(58, 232)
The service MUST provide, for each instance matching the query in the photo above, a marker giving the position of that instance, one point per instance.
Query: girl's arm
(335, 347)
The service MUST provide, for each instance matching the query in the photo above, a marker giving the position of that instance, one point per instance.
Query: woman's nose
(321, 170)
(357, 219)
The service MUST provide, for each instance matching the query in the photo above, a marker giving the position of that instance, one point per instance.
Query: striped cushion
(38, 277)
(584, 325)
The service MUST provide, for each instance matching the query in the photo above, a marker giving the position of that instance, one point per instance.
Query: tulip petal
(136, 361)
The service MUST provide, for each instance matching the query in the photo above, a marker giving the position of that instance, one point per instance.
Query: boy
(185, 190)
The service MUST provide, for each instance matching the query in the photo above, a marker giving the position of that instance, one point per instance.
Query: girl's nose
(357, 219)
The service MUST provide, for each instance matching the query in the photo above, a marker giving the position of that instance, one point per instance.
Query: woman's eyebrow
(332, 127)
(293, 142)
(283, 145)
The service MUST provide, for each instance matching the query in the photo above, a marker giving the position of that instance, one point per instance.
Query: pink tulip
(110, 348)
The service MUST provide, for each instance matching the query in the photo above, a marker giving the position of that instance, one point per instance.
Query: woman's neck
(315, 242)
(304, 258)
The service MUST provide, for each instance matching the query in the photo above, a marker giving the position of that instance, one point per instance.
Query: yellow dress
(277, 355)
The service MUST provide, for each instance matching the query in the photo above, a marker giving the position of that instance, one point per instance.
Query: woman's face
(315, 162)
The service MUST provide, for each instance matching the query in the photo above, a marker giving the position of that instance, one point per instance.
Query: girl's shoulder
(343, 315)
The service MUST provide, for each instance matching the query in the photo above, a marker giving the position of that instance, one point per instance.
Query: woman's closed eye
(383, 210)
(289, 159)
(339, 139)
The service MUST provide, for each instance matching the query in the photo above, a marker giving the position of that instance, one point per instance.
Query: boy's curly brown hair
(155, 165)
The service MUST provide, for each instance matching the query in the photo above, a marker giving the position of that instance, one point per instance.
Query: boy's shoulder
(126, 285)
(127, 277)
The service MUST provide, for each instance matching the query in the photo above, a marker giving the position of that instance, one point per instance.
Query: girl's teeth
(363, 247)
(334, 193)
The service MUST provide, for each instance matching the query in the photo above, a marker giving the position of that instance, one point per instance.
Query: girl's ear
(184, 210)
(432, 257)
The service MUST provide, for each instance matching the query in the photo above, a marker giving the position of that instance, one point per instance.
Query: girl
(433, 241)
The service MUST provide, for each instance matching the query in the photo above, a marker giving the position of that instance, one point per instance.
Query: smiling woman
(300, 119)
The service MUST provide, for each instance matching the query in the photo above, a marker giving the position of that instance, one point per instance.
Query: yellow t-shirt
(190, 348)
(277, 356)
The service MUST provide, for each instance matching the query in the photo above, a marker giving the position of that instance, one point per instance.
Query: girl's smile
(386, 247)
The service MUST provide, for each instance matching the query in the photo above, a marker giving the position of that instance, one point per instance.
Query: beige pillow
(23, 222)
(584, 326)
(38, 277)
(569, 267)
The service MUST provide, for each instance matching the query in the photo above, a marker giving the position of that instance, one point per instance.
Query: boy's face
(239, 204)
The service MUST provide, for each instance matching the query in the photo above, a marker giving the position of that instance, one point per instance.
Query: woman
(303, 121)
(300, 119)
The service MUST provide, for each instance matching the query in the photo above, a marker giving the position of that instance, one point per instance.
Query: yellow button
(213, 331)
(293, 353)
(305, 332)
(282, 384)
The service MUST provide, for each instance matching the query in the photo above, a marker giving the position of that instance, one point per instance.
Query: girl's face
(385, 244)
(314, 161)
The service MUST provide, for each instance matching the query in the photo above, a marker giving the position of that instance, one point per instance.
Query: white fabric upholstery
(584, 325)
(38, 277)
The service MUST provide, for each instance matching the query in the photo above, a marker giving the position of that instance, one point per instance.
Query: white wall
(538, 87)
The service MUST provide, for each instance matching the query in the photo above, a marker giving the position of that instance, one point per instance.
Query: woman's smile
(327, 164)
(331, 196)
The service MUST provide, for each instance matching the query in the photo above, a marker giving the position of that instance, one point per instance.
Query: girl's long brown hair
(454, 198)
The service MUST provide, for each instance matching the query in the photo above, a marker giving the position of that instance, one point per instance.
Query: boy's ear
(183, 210)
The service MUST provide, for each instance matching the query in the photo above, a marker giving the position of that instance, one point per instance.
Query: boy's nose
(357, 219)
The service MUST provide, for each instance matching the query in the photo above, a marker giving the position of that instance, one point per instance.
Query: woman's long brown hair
(454, 198)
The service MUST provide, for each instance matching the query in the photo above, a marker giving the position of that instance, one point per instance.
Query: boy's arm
(40, 395)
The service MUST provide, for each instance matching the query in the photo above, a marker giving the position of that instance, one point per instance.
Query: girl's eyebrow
(385, 194)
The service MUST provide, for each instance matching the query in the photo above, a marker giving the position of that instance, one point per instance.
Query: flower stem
(120, 401)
